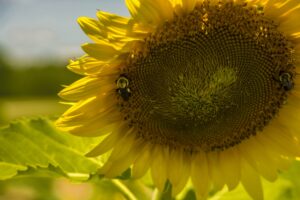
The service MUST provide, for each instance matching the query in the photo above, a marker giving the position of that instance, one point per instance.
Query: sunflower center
(207, 80)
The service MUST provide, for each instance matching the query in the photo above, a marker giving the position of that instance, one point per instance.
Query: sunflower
(198, 90)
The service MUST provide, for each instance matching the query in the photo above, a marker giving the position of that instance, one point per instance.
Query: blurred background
(37, 39)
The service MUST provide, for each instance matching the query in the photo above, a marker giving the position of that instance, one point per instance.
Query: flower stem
(125, 191)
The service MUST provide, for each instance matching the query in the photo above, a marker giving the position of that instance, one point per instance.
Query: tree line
(37, 80)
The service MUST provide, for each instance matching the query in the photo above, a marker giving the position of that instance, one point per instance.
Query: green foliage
(32, 149)
(33, 188)
(43, 79)
(35, 81)
(36, 147)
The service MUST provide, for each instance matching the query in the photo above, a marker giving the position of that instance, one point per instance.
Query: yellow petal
(177, 6)
(115, 22)
(176, 2)
(216, 176)
(150, 12)
(273, 145)
(259, 160)
(142, 163)
(87, 87)
(102, 123)
(110, 30)
(105, 34)
(121, 150)
(86, 110)
(251, 181)
(178, 175)
(91, 27)
(159, 167)
(120, 28)
(273, 9)
(286, 13)
(86, 66)
(92, 129)
(199, 175)
(103, 52)
(279, 155)
(121, 158)
(188, 5)
(116, 168)
(285, 140)
(89, 130)
(292, 8)
(230, 167)
(108, 143)
(288, 120)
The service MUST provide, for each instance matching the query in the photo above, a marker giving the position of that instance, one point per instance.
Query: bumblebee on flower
(191, 89)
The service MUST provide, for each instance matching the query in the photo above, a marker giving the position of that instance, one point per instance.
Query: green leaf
(125, 175)
(8, 170)
(32, 145)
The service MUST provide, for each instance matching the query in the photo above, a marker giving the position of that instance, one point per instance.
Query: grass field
(14, 108)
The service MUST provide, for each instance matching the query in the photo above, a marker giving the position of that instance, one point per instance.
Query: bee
(286, 81)
(123, 87)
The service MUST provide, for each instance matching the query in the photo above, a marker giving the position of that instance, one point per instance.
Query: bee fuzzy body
(123, 87)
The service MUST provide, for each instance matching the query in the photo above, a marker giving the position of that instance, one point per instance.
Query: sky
(33, 30)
